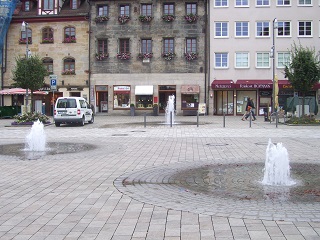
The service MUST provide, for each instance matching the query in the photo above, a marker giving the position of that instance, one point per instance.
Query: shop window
(144, 101)
(69, 66)
(47, 35)
(48, 63)
(224, 102)
(69, 35)
(121, 96)
(189, 101)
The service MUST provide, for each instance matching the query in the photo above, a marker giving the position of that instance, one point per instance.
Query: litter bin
(265, 114)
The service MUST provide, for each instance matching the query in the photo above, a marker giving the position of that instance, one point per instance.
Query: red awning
(222, 84)
(254, 84)
(21, 91)
(316, 86)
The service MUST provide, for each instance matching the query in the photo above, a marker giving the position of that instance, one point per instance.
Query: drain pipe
(206, 55)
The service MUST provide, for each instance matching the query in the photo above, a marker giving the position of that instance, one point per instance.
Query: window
(121, 96)
(221, 29)
(102, 49)
(168, 9)
(27, 6)
(283, 59)
(283, 2)
(221, 60)
(146, 46)
(242, 60)
(168, 45)
(263, 29)
(47, 35)
(305, 28)
(263, 60)
(242, 29)
(48, 4)
(24, 37)
(242, 3)
(221, 3)
(146, 9)
(144, 101)
(69, 35)
(74, 4)
(263, 3)
(102, 11)
(124, 45)
(191, 45)
(68, 66)
(124, 10)
(191, 8)
(48, 63)
(305, 2)
(284, 28)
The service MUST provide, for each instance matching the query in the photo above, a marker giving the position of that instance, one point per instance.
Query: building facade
(144, 51)
(250, 43)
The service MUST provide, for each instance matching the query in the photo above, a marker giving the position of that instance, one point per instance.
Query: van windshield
(67, 103)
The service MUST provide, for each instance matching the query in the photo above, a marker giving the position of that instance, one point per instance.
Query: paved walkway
(82, 195)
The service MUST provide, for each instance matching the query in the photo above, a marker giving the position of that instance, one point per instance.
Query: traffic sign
(53, 82)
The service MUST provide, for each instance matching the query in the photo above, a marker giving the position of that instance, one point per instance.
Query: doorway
(164, 93)
(102, 101)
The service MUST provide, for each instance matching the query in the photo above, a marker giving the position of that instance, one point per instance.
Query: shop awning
(144, 90)
(222, 84)
(19, 91)
(190, 89)
(254, 84)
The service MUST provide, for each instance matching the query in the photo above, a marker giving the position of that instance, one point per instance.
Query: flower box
(24, 41)
(144, 18)
(145, 55)
(123, 19)
(68, 72)
(191, 56)
(168, 18)
(101, 56)
(190, 18)
(70, 40)
(124, 56)
(168, 55)
(100, 19)
(47, 40)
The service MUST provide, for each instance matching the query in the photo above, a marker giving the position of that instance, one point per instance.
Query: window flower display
(191, 17)
(100, 19)
(101, 56)
(168, 18)
(191, 56)
(144, 18)
(70, 40)
(68, 72)
(123, 19)
(124, 56)
(168, 55)
(145, 55)
(24, 40)
(47, 40)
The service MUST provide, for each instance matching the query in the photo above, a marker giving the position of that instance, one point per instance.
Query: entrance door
(102, 101)
(164, 92)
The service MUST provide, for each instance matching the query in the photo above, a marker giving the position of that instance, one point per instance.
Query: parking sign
(53, 82)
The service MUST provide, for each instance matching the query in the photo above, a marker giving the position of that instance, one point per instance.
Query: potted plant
(145, 55)
(144, 18)
(124, 56)
(168, 55)
(132, 109)
(101, 56)
(191, 56)
(168, 18)
(102, 18)
(123, 19)
(190, 18)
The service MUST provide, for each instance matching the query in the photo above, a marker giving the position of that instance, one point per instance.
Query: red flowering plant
(191, 17)
(24, 40)
(70, 40)
(145, 55)
(168, 55)
(47, 40)
(123, 19)
(168, 18)
(144, 18)
(124, 56)
(100, 19)
(101, 56)
(68, 72)
(191, 56)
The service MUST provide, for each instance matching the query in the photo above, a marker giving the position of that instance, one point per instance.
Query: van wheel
(82, 121)
(92, 119)
(57, 124)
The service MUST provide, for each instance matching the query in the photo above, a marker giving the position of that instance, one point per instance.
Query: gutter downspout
(207, 55)
(89, 53)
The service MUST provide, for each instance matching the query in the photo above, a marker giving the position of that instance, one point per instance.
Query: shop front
(102, 98)
(190, 99)
(223, 97)
(144, 97)
(164, 92)
(121, 97)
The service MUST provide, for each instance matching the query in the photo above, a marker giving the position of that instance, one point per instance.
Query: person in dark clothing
(250, 108)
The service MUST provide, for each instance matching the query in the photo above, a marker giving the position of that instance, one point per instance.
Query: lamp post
(24, 28)
(273, 56)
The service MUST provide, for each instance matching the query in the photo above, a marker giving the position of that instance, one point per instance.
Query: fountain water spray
(36, 139)
(277, 168)
(170, 109)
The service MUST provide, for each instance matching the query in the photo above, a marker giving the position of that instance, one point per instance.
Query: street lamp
(273, 56)
(24, 28)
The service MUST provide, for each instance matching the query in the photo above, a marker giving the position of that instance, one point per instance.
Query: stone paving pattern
(73, 196)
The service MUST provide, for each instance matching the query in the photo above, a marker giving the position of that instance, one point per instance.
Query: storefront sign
(254, 84)
(263, 86)
(121, 88)
(75, 88)
(222, 84)
(190, 89)
(144, 90)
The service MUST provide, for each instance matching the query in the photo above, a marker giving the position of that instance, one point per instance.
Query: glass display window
(121, 97)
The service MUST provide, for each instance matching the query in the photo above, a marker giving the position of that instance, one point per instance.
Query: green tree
(29, 74)
(304, 70)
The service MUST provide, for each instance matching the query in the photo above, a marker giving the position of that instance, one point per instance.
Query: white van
(72, 110)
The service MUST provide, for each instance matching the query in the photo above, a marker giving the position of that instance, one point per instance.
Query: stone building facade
(144, 51)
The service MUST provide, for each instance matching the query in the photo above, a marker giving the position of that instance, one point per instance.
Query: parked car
(74, 110)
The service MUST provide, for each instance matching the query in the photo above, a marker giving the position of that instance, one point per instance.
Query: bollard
(277, 119)
(197, 118)
(145, 119)
(250, 118)
(171, 119)
(224, 119)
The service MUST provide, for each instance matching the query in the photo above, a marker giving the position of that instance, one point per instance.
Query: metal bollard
(145, 119)
(171, 119)
(197, 118)
(224, 119)
(277, 119)
(250, 119)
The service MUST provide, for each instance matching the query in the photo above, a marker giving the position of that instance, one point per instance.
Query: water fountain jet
(170, 110)
(36, 139)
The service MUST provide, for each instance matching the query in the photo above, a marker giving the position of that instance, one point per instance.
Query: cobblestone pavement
(82, 195)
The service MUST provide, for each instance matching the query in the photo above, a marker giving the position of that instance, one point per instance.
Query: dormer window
(27, 6)
(48, 4)
(74, 4)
